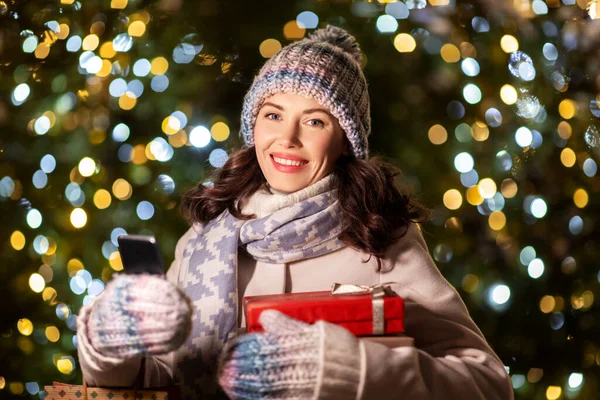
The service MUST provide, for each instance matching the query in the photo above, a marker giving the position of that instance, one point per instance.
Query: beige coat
(449, 359)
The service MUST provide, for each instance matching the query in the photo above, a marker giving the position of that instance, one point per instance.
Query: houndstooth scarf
(308, 225)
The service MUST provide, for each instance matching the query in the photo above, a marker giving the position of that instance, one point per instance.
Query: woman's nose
(289, 134)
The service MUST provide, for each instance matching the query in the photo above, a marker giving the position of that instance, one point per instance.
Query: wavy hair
(373, 210)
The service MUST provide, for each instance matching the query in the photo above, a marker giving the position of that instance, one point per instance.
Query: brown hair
(374, 211)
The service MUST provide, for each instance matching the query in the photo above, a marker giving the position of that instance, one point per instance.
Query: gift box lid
(311, 306)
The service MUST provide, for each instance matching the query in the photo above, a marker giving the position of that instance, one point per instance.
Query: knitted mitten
(139, 314)
(282, 363)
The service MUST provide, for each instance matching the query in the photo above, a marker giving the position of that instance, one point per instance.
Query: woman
(296, 210)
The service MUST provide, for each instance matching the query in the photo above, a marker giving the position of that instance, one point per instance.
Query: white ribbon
(378, 292)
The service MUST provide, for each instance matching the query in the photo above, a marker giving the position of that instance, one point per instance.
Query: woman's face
(297, 141)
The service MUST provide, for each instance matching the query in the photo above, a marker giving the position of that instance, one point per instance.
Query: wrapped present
(363, 310)
(65, 391)
(61, 391)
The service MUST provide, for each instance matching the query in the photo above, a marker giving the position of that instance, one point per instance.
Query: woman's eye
(318, 122)
(271, 116)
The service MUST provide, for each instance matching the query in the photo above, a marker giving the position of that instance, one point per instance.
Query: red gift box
(353, 311)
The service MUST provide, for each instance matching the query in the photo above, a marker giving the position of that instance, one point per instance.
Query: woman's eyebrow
(307, 111)
(312, 110)
(277, 106)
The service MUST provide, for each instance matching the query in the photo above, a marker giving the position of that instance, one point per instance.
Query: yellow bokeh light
(25, 326)
(509, 44)
(560, 304)
(105, 69)
(553, 392)
(567, 109)
(42, 50)
(139, 155)
(98, 28)
(16, 387)
(159, 66)
(63, 31)
(148, 155)
(535, 374)
(588, 299)
(467, 50)
(17, 240)
(115, 261)
(2, 382)
(107, 50)
(67, 1)
(436, 3)
(121, 189)
(127, 100)
(37, 282)
(73, 266)
(497, 220)
(25, 344)
(178, 140)
(78, 217)
(404, 43)
(509, 188)
(90, 42)
(52, 333)
(141, 15)
(473, 196)
(580, 198)
(567, 157)
(102, 199)
(547, 304)
(220, 131)
(564, 130)
(51, 116)
(508, 94)
(51, 246)
(269, 47)
(452, 199)
(65, 366)
(437, 134)
(292, 31)
(49, 294)
(171, 125)
(136, 28)
(480, 131)
(118, 4)
(487, 188)
(49, 37)
(450, 53)
(470, 283)
(87, 166)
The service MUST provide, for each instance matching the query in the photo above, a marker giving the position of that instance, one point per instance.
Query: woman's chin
(287, 187)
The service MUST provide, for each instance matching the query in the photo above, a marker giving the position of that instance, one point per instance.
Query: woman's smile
(287, 163)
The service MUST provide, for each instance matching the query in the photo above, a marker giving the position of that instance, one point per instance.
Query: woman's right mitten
(138, 315)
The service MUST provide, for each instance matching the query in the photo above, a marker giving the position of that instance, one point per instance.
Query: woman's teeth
(283, 161)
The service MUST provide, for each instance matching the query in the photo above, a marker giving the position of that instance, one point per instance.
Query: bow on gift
(378, 292)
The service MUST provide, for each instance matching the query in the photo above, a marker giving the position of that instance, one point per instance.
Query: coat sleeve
(102, 371)
(450, 358)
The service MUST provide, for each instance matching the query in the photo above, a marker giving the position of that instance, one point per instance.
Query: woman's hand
(139, 314)
(282, 363)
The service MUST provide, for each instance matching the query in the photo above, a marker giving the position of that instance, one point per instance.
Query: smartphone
(141, 254)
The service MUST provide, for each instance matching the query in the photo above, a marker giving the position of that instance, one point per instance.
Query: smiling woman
(299, 207)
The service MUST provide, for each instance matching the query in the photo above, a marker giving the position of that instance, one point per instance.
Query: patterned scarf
(307, 226)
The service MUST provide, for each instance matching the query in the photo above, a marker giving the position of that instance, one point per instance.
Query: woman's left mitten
(281, 363)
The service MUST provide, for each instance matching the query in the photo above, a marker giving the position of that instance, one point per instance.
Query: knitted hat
(324, 66)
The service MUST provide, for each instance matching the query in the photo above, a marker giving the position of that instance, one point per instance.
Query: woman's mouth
(286, 165)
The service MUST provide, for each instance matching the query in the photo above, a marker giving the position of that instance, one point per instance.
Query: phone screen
(140, 254)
